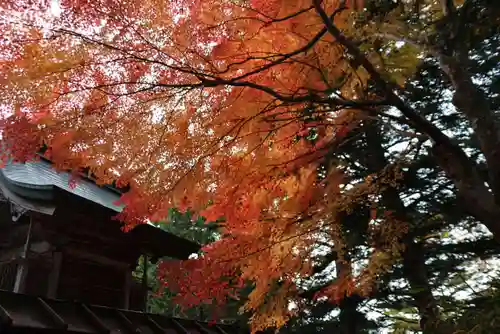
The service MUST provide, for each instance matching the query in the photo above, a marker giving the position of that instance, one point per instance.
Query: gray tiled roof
(26, 183)
(40, 175)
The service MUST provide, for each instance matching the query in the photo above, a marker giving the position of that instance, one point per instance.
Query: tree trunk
(477, 199)
(473, 103)
(349, 315)
(413, 257)
(415, 271)
(454, 39)
(452, 51)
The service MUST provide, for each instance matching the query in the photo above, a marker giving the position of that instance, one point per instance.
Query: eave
(30, 314)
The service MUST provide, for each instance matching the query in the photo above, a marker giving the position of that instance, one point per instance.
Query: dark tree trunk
(414, 266)
(453, 40)
(349, 315)
(416, 272)
(473, 103)
(475, 195)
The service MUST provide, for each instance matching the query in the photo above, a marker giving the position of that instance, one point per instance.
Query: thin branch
(448, 7)
(419, 122)
(287, 56)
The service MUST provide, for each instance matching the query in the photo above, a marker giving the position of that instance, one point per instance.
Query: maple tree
(233, 108)
(161, 300)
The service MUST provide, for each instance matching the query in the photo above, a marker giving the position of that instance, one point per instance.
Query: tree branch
(451, 158)
(448, 7)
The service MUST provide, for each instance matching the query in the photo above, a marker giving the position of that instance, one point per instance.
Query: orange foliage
(193, 102)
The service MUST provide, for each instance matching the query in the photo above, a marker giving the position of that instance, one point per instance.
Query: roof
(41, 178)
(21, 313)
(31, 186)
(158, 243)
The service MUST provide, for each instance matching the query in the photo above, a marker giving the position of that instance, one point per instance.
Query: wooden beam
(96, 321)
(126, 321)
(54, 275)
(127, 286)
(5, 317)
(16, 253)
(95, 258)
(22, 272)
(22, 267)
(201, 327)
(58, 320)
(157, 328)
(178, 326)
(220, 329)
(145, 283)
(11, 254)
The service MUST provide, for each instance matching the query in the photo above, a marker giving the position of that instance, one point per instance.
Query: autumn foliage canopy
(228, 107)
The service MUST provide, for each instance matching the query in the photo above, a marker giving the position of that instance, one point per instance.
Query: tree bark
(477, 199)
(348, 317)
(415, 271)
(473, 103)
(414, 266)
(451, 47)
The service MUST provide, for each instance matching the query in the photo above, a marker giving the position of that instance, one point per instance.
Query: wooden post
(22, 271)
(54, 275)
(22, 267)
(126, 289)
(145, 282)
